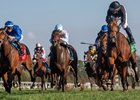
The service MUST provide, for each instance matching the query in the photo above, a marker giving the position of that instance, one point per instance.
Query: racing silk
(42, 53)
(65, 36)
(16, 32)
(97, 41)
(120, 14)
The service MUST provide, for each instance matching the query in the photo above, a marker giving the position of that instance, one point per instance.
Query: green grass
(72, 95)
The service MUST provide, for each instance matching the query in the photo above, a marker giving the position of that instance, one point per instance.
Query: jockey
(104, 29)
(39, 49)
(15, 35)
(92, 52)
(118, 11)
(64, 38)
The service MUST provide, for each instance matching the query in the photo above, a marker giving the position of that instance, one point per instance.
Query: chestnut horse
(60, 61)
(40, 70)
(119, 53)
(10, 60)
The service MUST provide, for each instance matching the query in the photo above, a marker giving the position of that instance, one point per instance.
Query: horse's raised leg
(19, 81)
(33, 84)
(28, 66)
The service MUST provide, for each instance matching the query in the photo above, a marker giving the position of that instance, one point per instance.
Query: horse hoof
(133, 86)
(109, 82)
(112, 89)
(105, 87)
(78, 84)
(8, 90)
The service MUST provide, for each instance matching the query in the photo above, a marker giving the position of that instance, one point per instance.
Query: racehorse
(40, 70)
(119, 53)
(102, 62)
(10, 60)
(90, 68)
(60, 61)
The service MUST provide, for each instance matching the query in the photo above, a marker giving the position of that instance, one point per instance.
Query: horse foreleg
(114, 72)
(33, 84)
(123, 78)
(42, 83)
(5, 78)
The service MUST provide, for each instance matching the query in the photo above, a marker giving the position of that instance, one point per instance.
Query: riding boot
(19, 49)
(71, 53)
(129, 33)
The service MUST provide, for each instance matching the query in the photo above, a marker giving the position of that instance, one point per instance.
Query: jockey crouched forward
(39, 49)
(92, 52)
(118, 11)
(64, 37)
(104, 29)
(15, 35)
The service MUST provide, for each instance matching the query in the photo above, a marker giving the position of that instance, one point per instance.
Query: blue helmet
(58, 27)
(104, 28)
(9, 24)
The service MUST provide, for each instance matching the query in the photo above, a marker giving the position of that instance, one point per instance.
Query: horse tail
(27, 49)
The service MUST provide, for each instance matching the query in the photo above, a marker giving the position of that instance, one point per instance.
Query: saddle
(21, 50)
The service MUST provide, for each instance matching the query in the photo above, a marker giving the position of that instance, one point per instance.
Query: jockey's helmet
(90, 47)
(9, 24)
(104, 28)
(58, 27)
(38, 45)
(114, 6)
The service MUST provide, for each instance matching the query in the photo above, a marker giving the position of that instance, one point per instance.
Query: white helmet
(38, 45)
(58, 27)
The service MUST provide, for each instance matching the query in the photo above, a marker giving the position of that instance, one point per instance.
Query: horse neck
(61, 53)
(6, 47)
(40, 62)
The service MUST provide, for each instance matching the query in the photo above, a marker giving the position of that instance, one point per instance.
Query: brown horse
(40, 70)
(10, 60)
(102, 62)
(90, 68)
(59, 61)
(119, 54)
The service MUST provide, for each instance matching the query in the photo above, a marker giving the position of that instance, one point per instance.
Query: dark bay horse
(10, 60)
(90, 67)
(119, 53)
(60, 61)
(102, 62)
(40, 70)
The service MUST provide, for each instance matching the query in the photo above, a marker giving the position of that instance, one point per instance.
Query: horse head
(3, 36)
(113, 30)
(56, 37)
